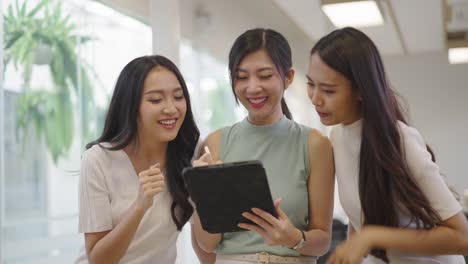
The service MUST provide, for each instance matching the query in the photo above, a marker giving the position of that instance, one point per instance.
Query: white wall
(227, 19)
(437, 93)
(213, 25)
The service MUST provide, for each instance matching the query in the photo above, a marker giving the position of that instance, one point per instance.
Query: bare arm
(449, 238)
(206, 241)
(111, 246)
(321, 187)
(203, 256)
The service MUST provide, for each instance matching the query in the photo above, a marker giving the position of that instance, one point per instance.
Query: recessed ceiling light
(357, 13)
(458, 55)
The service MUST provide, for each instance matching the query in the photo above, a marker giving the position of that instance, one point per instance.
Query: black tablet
(221, 193)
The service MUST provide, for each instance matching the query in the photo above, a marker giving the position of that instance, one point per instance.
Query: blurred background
(61, 60)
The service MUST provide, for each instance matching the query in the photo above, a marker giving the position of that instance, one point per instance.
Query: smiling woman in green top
(298, 161)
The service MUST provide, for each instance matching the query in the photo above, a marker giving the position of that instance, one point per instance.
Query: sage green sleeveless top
(283, 149)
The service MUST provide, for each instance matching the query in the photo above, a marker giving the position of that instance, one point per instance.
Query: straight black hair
(274, 44)
(121, 128)
(386, 186)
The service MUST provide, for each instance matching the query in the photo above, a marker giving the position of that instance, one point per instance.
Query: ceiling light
(354, 13)
(458, 55)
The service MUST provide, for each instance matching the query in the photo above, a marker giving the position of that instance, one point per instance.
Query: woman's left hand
(275, 231)
(354, 250)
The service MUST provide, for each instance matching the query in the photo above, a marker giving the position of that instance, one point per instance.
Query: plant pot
(42, 54)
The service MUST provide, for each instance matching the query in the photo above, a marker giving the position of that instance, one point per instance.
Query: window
(56, 87)
(210, 90)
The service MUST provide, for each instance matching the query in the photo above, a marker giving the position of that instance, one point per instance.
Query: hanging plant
(43, 35)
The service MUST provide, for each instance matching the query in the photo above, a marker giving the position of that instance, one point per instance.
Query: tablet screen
(222, 192)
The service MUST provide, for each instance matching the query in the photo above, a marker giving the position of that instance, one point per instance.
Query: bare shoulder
(320, 159)
(318, 142)
(212, 141)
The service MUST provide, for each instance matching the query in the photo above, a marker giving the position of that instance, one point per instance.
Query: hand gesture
(205, 159)
(151, 183)
(275, 231)
(352, 251)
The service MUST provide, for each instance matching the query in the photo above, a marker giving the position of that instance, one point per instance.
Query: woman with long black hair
(133, 200)
(399, 207)
(298, 161)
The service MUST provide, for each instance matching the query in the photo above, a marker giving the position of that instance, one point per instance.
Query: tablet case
(223, 192)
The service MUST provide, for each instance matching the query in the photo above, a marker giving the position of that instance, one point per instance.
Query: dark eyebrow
(328, 85)
(322, 83)
(161, 92)
(265, 69)
(259, 70)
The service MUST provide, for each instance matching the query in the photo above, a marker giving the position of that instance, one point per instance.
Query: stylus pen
(207, 150)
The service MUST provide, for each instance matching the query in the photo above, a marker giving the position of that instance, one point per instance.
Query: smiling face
(162, 106)
(332, 94)
(259, 87)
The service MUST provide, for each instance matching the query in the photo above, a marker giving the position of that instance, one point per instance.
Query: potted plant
(42, 34)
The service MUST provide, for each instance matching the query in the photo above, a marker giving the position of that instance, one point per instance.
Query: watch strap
(300, 244)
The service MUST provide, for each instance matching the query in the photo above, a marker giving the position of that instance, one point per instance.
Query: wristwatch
(300, 244)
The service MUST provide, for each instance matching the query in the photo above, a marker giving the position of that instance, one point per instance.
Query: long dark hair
(386, 186)
(121, 128)
(274, 44)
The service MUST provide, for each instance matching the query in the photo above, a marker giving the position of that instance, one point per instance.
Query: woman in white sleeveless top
(400, 209)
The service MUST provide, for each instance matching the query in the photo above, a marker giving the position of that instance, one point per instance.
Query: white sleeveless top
(346, 141)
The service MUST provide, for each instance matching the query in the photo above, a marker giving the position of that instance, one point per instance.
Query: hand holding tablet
(222, 192)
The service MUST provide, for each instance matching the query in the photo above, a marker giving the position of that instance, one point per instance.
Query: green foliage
(29, 108)
(49, 111)
(49, 114)
(218, 100)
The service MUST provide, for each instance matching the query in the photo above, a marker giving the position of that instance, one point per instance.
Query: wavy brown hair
(386, 186)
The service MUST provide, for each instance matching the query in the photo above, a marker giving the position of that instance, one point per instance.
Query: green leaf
(57, 70)
(28, 44)
(57, 12)
(12, 39)
(18, 7)
(9, 18)
(10, 11)
(22, 12)
(49, 115)
(37, 8)
(27, 111)
(59, 126)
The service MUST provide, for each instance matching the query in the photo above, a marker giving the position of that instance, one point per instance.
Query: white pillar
(165, 23)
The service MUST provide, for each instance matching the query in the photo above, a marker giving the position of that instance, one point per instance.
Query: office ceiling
(410, 27)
